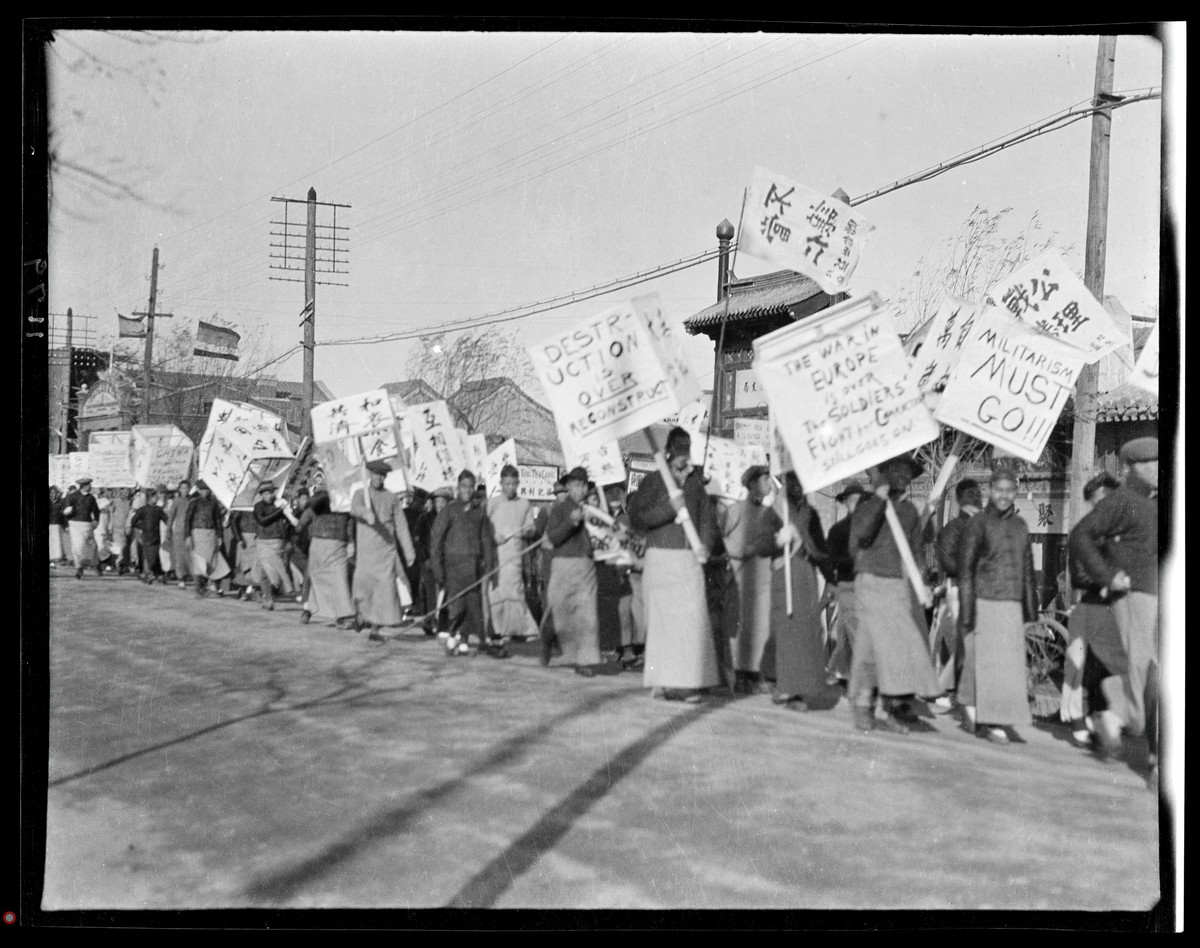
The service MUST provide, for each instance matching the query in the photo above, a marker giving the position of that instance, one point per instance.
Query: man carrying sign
(890, 651)
(381, 537)
(680, 654)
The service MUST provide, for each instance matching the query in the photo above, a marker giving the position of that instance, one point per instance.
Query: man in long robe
(202, 527)
(381, 537)
(572, 595)
(83, 513)
(462, 552)
(512, 519)
(749, 625)
(270, 566)
(181, 557)
(841, 560)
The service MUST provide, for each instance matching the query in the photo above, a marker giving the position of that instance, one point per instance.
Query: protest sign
(77, 465)
(724, 464)
(109, 462)
(160, 454)
(606, 378)
(242, 454)
(1145, 371)
(753, 436)
(1010, 384)
(363, 414)
(59, 471)
(438, 457)
(537, 481)
(952, 322)
(693, 418)
(223, 412)
(801, 229)
(475, 449)
(850, 395)
(496, 460)
(1047, 295)
(341, 475)
(668, 342)
(603, 463)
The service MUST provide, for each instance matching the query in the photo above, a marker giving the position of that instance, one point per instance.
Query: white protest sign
(224, 412)
(693, 418)
(59, 471)
(605, 379)
(669, 343)
(796, 227)
(241, 455)
(537, 481)
(939, 353)
(753, 435)
(160, 454)
(341, 475)
(603, 464)
(637, 474)
(361, 414)
(1010, 384)
(1145, 372)
(724, 464)
(109, 464)
(844, 393)
(1046, 294)
(77, 465)
(505, 454)
(475, 449)
(438, 456)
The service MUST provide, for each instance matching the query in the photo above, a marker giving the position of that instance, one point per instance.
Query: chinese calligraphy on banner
(537, 481)
(796, 227)
(77, 465)
(109, 463)
(437, 454)
(224, 412)
(850, 393)
(60, 474)
(241, 455)
(725, 462)
(367, 413)
(505, 454)
(1010, 384)
(607, 378)
(753, 435)
(603, 464)
(939, 353)
(1145, 372)
(669, 344)
(1047, 295)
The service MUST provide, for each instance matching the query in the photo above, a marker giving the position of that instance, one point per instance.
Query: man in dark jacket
(202, 525)
(997, 596)
(83, 512)
(573, 597)
(147, 523)
(841, 561)
(462, 551)
(1116, 546)
(948, 648)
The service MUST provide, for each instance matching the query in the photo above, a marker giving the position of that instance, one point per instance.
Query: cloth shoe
(889, 722)
(864, 718)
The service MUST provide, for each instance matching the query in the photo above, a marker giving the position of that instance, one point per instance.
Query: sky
(489, 170)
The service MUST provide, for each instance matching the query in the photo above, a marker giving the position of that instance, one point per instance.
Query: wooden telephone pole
(1083, 439)
(149, 314)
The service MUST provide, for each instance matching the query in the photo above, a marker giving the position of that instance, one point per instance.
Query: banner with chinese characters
(223, 412)
(60, 472)
(241, 456)
(160, 454)
(939, 353)
(1047, 295)
(753, 435)
(725, 461)
(1145, 371)
(109, 464)
(438, 457)
(668, 341)
(607, 378)
(842, 393)
(537, 481)
(476, 453)
(603, 464)
(496, 460)
(77, 465)
(356, 416)
(1010, 384)
(792, 226)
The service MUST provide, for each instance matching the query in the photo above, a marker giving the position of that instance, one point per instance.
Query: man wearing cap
(997, 596)
(270, 570)
(146, 522)
(749, 626)
(512, 519)
(681, 657)
(202, 524)
(841, 561)
(969, 496)
(891, 654)
(1116, 546)
(83, 513)
(572, 593)
(180, 552)
(381, 539)
(462, 552)
(435, 621)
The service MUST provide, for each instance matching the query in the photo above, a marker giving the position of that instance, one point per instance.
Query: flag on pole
(131, 327)
(216, 342)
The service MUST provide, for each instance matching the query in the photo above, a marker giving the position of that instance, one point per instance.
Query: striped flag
(216, 342)
(131, 327)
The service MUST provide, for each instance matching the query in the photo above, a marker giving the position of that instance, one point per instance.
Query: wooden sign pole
(682, 517)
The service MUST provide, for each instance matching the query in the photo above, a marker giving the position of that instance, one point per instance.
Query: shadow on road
(280, 885)
(490, 883)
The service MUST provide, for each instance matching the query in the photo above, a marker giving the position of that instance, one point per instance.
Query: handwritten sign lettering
(351, 417)
(603, 464)
(796, 227)
(939, 353)
(438, 456)
(845, 390)
(537, 481)
(1010, 384)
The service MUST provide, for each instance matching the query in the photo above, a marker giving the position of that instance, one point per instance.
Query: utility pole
(65, 411)
(149, 314)
(1083, 438)
(334, 236)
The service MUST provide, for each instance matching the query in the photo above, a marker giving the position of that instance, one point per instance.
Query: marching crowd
(469, 568)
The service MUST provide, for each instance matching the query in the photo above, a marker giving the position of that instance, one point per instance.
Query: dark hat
(444, 492)
(201, 485)
(968, 491)
(560, 487)
(576, 474)
(266, 486)
(753, 473)
(915, 466)
(163, 489)
(83, 481)
(379, 467)
(1139, 449)
(850, 490)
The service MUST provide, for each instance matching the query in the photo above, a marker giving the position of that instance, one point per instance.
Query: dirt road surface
(208, 754)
